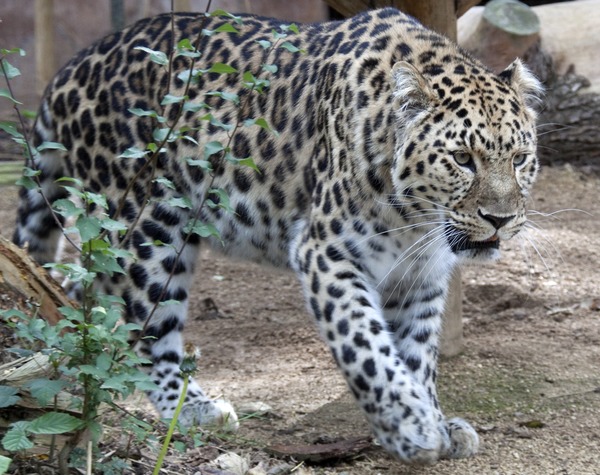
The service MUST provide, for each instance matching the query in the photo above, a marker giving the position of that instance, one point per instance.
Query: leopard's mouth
(459, 241)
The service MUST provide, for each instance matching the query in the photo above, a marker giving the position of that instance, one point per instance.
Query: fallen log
(21, 275)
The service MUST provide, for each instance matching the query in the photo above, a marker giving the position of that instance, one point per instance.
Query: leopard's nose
(496, 221)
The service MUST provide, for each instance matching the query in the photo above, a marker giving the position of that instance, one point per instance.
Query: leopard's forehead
(479, 111)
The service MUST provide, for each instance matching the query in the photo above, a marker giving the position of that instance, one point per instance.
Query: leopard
(391, 157)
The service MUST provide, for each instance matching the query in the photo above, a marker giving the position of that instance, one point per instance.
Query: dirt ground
(528, 378)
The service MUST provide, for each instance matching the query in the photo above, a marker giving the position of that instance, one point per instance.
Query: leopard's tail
(37, 227)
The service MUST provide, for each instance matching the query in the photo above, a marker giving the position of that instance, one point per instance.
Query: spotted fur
(396, 156)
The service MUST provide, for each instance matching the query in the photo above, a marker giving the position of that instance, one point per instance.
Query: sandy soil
(528, 378)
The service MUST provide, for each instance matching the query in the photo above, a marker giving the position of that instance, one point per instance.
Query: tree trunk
(44, 43)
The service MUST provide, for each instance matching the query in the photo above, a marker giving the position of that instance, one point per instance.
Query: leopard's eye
(464, 159)
(519, 159)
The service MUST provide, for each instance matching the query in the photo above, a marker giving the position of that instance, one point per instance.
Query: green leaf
(165, 182)
(186, 48)
(74, 181)
(30, 172)
(162, 134)
(202, 229)
(93, 371)
(147, 113)
(146, 384)
(51, 146)
(16, 437)
(67, 208)
(252, 82)
(26, 183)
(293, 28)
(212, 148)
(223, 199)
(185, 44)
(95, 198)
(180, 202)
(11, 129)
(217, 123)
(179, 446)
(192, 107)
(6, 93)
(221, 68)
(264, 43)
(226, 28)
(89, 227)
(117, 383)
(248, 162)
(54, 423)
(133, 152)
(157, 57)
(106, 263)
(10, 71)
(104, 361)
(44, 390)
(203, 164)
(112, 225)
(171, 99)
(220, 13)
(4, 464)
(74, 272)
(29, 114)
(290, 47)
(277, 35)
(95, 245)
(21, 52)
(262, 123)
(228, 96)
(270, 68)
(8, 396)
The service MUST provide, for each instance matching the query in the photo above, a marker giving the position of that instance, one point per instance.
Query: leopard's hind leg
(156, 294)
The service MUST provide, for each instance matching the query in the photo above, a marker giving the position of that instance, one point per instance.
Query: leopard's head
(465, 157)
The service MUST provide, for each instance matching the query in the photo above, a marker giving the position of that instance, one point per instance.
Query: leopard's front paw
(464, 441)
(412, 433)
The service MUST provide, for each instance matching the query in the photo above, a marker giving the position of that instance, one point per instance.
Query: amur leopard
(396, 155)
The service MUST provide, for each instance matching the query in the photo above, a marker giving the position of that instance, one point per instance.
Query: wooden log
(24, 277)
(505, 31)
(569, 129)
(569, 119)
(566, 34)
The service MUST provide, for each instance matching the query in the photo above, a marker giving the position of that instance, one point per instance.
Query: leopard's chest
(406, 260)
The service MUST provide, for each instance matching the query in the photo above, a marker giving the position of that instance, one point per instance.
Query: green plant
(90, 352)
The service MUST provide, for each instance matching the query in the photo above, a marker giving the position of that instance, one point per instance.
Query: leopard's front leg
(413, 312)
(348, 313)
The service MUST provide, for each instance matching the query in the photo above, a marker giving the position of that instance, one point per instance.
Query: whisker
(554, 213)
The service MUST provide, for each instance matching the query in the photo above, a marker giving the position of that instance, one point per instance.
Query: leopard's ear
(524, 82)
(411, 89)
